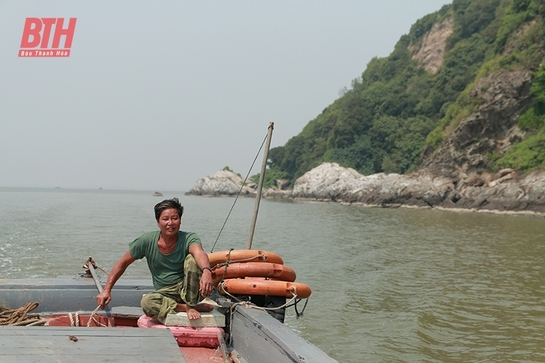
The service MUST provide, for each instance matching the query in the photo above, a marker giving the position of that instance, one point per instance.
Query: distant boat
(157, 194)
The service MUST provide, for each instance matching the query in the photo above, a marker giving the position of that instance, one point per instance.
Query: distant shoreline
(406, 206)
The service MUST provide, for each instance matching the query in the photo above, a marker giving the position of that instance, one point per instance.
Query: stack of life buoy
(255, 272)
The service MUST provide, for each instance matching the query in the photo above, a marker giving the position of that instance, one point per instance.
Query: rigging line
(238, 194)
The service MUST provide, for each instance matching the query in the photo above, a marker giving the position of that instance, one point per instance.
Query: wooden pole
(109, 316)
(260, 185)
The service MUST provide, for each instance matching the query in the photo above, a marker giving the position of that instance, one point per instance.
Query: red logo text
(42, 37)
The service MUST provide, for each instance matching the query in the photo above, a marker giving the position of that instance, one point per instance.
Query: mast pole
(260, 185)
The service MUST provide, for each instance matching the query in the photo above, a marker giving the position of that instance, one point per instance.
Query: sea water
(389, 285)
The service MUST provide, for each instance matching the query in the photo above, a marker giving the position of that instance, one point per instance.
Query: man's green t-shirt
(166, 270)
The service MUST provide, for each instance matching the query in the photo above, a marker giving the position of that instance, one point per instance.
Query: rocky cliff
(492, 128)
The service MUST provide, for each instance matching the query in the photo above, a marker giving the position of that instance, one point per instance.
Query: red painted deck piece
(187, 336)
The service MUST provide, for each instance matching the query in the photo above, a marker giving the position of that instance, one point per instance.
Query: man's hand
(206, 283)
(119, 268)
(104, 299)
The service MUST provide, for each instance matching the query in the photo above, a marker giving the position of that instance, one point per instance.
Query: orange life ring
(264, 286)
(217, 258)
(253, 269)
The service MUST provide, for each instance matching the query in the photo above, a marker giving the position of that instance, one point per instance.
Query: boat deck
(255, 335)
(79, 344)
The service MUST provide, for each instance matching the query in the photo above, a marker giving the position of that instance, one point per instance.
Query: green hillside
(401, 108)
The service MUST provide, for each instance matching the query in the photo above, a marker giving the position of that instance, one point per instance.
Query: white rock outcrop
(329, 181)
(504, 191)
(223, 182)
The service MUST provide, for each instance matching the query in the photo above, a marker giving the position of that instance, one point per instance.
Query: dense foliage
(396, 110)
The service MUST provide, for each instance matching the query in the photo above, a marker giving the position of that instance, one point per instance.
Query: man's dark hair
(168, 204)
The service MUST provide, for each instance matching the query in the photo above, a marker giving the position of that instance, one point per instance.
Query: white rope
(91, 318)
(253, 306)
(39, 322)
(228, 262)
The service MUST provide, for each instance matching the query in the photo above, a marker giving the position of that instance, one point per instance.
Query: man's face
(169, 222)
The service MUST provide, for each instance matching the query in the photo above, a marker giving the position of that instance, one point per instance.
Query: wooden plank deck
(53, 344)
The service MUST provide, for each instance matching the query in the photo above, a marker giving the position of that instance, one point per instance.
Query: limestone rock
(223, 182)
(227, 183)
(506, 191)
(328, 181)
(332, 182)
(503, 191)
(434, 45)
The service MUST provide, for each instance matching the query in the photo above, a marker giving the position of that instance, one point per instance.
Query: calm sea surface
(389, 285)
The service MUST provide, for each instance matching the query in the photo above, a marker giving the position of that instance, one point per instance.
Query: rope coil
(19, 316)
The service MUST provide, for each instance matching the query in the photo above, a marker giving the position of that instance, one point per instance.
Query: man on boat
(178, 264)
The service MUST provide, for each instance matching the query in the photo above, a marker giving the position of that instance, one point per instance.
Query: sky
(157, 94)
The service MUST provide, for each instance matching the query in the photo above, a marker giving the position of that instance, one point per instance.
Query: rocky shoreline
(503, 192)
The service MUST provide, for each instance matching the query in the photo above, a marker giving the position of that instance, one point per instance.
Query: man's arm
(202, 261)
(119, 268)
